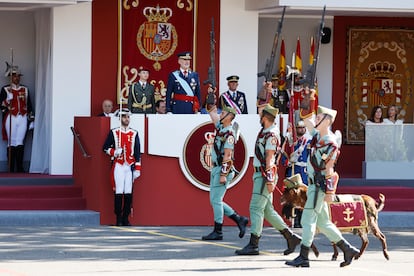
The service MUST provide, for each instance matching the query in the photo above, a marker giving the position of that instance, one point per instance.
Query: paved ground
(121, 251)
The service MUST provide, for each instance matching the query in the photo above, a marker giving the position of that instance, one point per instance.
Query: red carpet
(39, 192)
(396, 198)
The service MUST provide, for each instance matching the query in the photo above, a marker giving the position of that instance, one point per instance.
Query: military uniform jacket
(127, 139)
(267, 139)
(322, 150)
(239, 99)
(224, 139)
(176, 94)
(20, 104)
(141, 100)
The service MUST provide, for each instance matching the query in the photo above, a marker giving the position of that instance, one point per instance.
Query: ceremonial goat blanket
(348, 212)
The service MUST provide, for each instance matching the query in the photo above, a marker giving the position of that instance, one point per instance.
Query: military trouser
(217, 192)
(317, 217)
(261, 207)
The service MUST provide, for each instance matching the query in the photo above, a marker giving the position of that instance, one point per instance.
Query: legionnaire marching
(122, 144)
(223, 171)
(323, 181)
(264, 182)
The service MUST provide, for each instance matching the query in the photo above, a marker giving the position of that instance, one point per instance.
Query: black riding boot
(118, 209)
(216, 235)
(350, 252)
(241, 223)
(19, 158)
(302, 260)
(11, 158)
(127, 209)
(252, 248)
(292, 239)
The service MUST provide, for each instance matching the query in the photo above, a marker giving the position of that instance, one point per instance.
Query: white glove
(136, 174)
(9, 96)
(118, 152)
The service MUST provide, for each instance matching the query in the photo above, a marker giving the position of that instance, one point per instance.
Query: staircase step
(70, 203)
(49, 218)
(55, 191)
(389, 192)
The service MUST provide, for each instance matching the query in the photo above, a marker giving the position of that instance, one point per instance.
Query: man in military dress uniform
(17, 113)
(183, 88)
(295, 156)
(222, 172)
(141, 94)
(264, 182)
(323, 181)
(280, 97)
(122, 144)
(232, 97)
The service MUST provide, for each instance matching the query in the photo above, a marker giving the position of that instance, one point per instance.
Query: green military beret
(230, 110)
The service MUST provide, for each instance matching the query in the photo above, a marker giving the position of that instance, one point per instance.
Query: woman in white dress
(392, 113)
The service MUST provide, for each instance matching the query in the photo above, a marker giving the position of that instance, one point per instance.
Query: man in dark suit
(107, 107)
(141, 94)
(232, 97)
(183, 88)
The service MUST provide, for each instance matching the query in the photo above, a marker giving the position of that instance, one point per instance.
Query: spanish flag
(311, 61)
(298, 58)
(312, 51)
(282, 66)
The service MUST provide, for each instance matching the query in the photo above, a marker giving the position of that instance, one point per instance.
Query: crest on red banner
(196, 162)
(150, 35)
(348, 214)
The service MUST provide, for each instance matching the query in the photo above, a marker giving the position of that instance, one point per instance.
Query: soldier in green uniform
(264, 181)
(141, 94)
(222, 172)
(322, 185)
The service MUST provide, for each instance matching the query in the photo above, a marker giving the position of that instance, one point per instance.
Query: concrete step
(50, 218)
(396, 220)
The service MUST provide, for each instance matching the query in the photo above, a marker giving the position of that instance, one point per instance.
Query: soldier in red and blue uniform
(122, 144)
(183, 88)
(17, 117)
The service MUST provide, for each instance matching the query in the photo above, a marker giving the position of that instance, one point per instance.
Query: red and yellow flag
(298, 58)
(312, 51)
(282, 66)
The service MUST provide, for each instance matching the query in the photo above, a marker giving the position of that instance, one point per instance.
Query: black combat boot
(11, 157)
(118, 209)
(127, 209)
(252, 248)
(216, 235)
(292, 239)
(241, 223)
(19, 158)
(350, 252)
(302, 260)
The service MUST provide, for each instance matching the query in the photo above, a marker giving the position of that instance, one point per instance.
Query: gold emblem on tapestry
(157, 39)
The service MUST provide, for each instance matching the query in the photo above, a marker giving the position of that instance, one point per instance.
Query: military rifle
(267, 73)
(270, 61)
(310, 76)
(212, 81)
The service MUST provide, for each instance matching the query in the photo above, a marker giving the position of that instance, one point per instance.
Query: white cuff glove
(118, 152)
(9, 96)
(136, 174)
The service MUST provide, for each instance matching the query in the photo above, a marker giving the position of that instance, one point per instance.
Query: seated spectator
(107, 107)
(376, 116)
(160, 107)
(392, 113)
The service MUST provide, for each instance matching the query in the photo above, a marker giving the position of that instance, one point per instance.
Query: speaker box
(326, 37)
